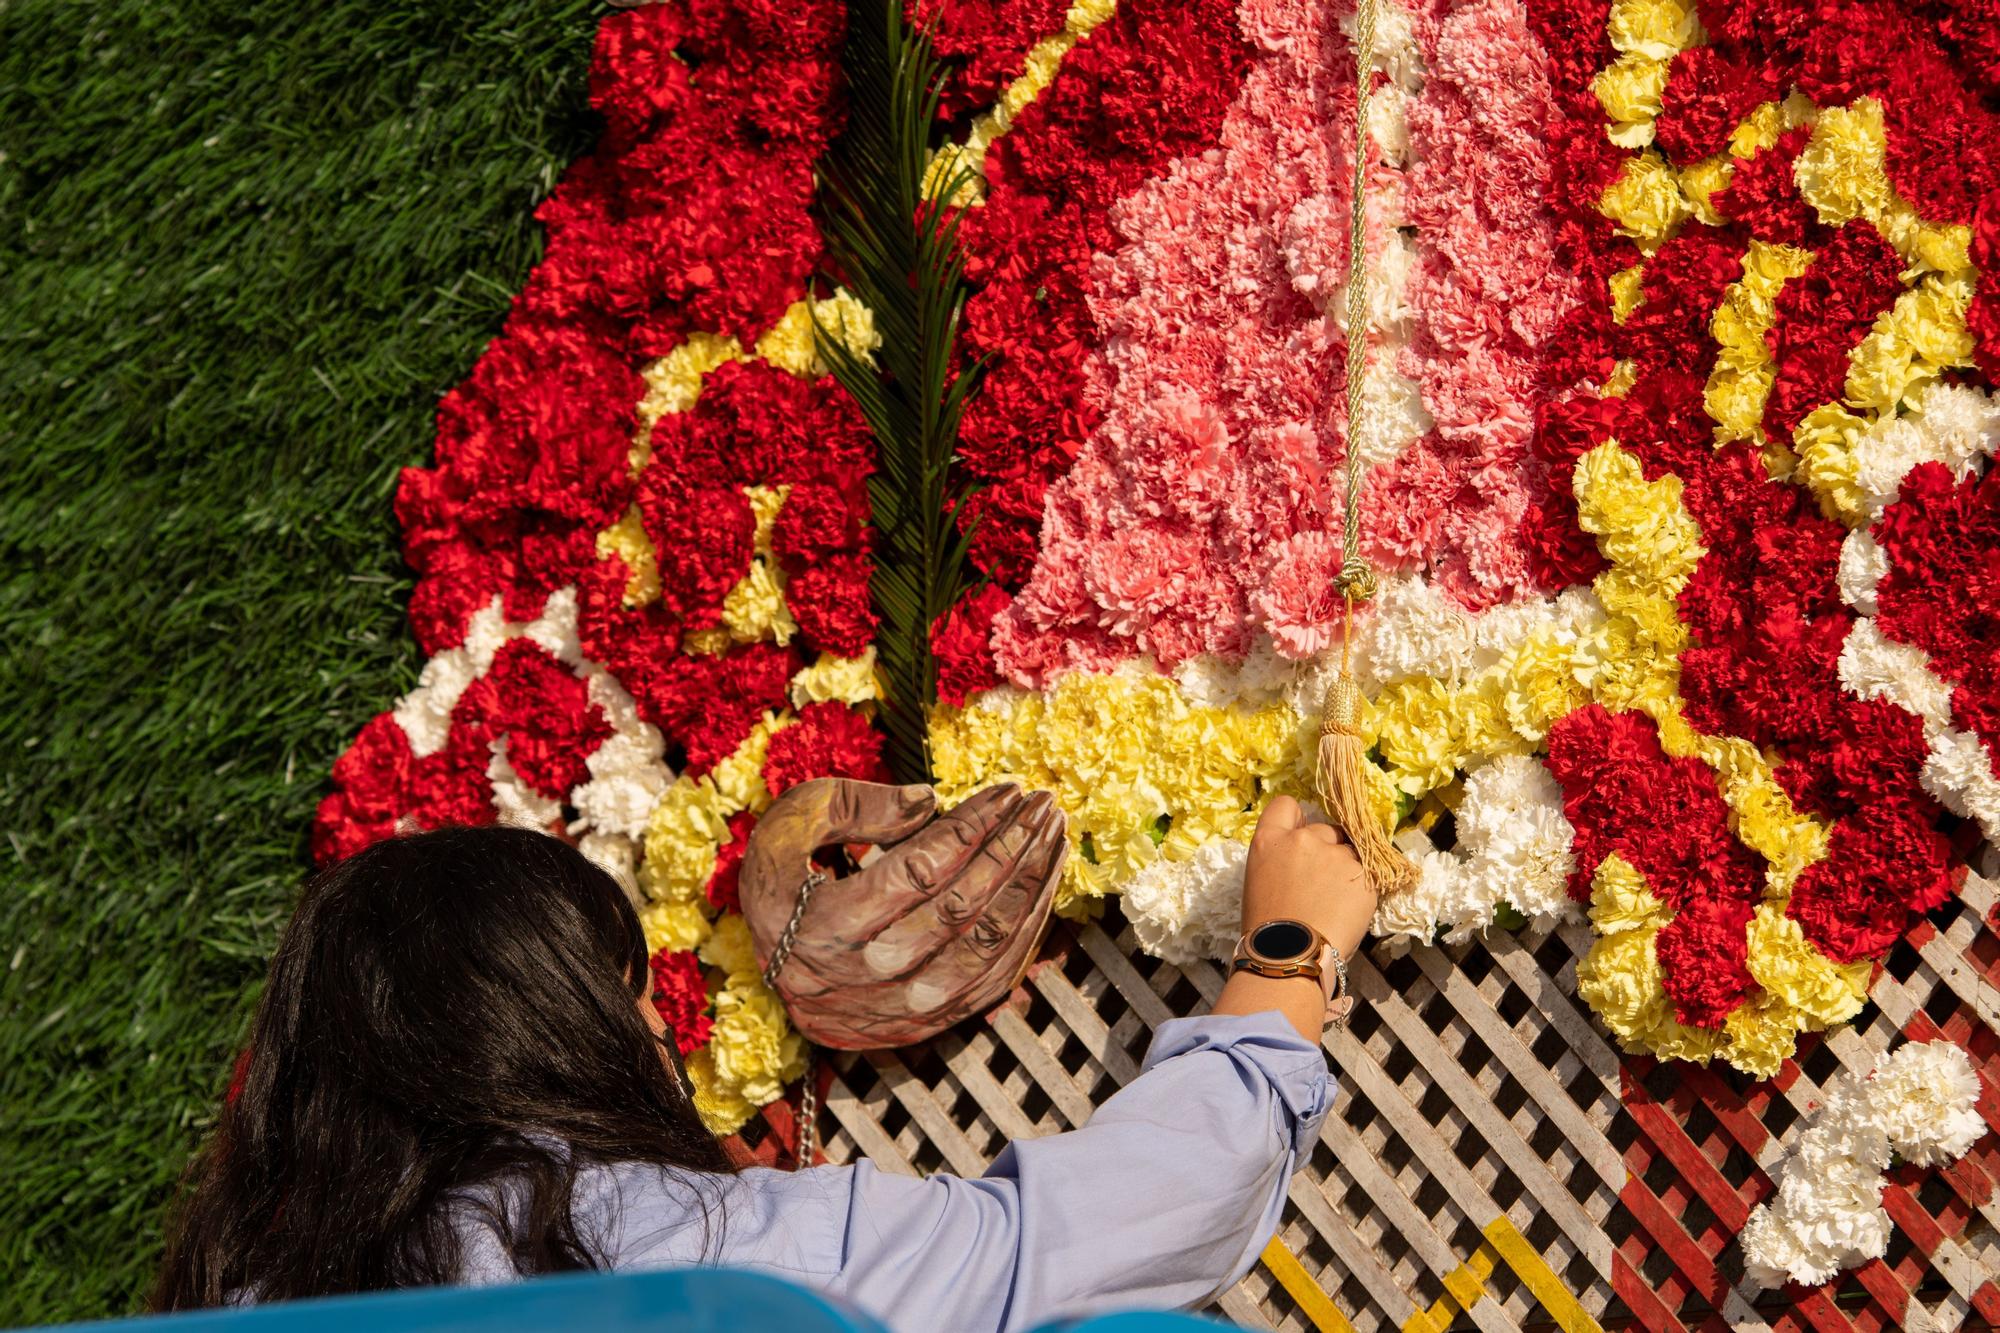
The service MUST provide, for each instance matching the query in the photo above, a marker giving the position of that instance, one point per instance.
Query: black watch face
(1282, 939)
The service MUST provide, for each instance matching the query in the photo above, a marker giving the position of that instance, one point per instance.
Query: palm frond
(893, 241)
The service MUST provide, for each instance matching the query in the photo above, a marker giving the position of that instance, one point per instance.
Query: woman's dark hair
(448, 1024)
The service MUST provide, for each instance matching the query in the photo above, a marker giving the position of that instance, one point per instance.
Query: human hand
(932, 931)
(1301, 869)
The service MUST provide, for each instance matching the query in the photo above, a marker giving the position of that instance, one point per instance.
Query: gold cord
(1356, 580)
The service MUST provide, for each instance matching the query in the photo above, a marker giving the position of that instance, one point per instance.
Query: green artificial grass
(244, 246)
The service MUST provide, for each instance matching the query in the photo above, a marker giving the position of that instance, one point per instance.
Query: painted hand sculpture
(933, 930)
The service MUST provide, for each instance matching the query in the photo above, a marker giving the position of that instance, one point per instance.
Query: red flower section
(1881, 866)
(707, 705)
(829, 740)
(1942, 592)
(830, 602)
(681, 996)
(371, 789)
(1822, 315)
(1663, 815)
(1983, 319)
(1763, 195)
(987, 42)
(538, 706)
(959, 641)
(723, 889)
(693, 212)
(1150, 85)
(1707, 96)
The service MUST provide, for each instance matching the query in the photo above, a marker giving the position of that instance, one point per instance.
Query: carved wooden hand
(937, 928)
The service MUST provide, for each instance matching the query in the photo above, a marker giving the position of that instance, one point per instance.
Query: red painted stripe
(1648, 1310)
(1659, 1125)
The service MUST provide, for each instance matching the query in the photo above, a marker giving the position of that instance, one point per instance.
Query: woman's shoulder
(648, 1216)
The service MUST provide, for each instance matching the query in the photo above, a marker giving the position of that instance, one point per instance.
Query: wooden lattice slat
(1491, 1161)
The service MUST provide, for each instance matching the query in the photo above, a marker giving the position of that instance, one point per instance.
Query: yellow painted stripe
(1464, 1289)
(1312, 1302)
(1538, 1277)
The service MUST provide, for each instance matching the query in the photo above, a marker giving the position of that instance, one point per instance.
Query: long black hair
(450, 1022)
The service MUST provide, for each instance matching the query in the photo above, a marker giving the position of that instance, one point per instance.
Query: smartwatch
(1286, 948)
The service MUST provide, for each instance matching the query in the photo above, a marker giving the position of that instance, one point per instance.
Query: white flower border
(1919, 1103)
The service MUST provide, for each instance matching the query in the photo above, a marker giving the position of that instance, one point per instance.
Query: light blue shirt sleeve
(1164, 1198)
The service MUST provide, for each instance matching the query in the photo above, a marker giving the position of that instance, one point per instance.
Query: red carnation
(635, 74)
(1763, 195)
(822, 517)
(1706, 97)
(830, 602)
(704, 536)
(681, 996)
(961, 640)
(722, 884)
(1704, 960)
(371, 784)
(828, 740)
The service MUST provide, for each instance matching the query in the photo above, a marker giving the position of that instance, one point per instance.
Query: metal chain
(781, 953)
(808, 1135)
(1356, 581)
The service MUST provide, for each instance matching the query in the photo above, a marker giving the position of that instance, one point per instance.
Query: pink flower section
(1206, 506)
(1221, 429)
(1487, 294)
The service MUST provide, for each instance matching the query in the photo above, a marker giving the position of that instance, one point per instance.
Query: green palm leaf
(893, 242)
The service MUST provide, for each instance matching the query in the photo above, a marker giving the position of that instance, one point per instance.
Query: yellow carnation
(730, 948)
(1629, 90)
(1840, 171)
(754, 610)
(755, 1050)
(1929, 319)
(1699, 182)
(1788, 967)
(1646, 201)
(1759, 1034)
(848, 680)
(675, 927)
(1655, 28)
(1539, 687)
(682, 834)
(1627, 290)
(1620, 901)
(1759, 130)
(723, 1109)
(707, 642)
(673, 381)
(1421, 734)
(739, 779)
(1824, 440)
(1620, 980)
(790, 343)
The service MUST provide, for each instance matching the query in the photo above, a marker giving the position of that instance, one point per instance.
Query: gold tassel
(1343, 782)
(1341, 774)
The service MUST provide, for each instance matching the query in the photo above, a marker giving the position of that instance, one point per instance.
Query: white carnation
(1414, 629)
(1925, 1098)
(555, 628)
(1413, 916)
(1959, 773)
(1827, 1214)
(425, 712)
(617, 856)
(1874, 666)
(1516, 841)
(1217, 682)
(1186, 911)
(1863, 565)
